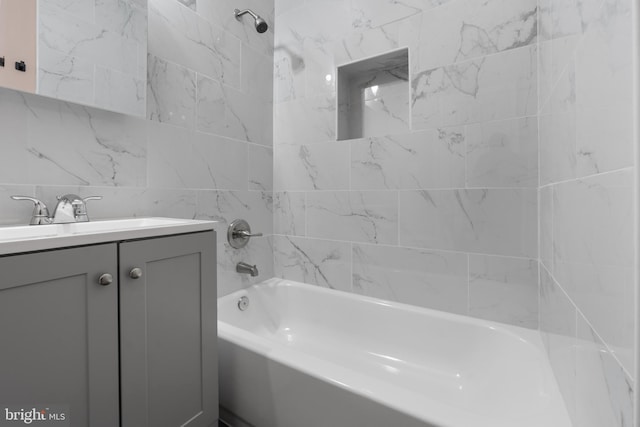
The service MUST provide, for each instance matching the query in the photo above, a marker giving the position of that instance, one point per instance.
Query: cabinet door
(168, 329)
(59, 333)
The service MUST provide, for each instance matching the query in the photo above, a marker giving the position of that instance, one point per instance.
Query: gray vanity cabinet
(168, 321)
(140, 351)
(59, 333)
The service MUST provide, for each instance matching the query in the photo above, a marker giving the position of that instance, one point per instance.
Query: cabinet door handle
(105, 279)
(135, 273)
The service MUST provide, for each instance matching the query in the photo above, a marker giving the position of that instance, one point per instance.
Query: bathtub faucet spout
(244, 268)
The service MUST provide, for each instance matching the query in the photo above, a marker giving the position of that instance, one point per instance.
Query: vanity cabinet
(139, 351)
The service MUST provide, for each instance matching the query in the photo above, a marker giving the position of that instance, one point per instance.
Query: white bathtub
(304, 356)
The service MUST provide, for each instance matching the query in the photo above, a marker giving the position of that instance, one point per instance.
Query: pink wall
(18, 43)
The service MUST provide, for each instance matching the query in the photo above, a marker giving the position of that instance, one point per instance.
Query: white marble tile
(179, 158)
(282, 6)
(324, 263)
(258, 252)
(503, 153)
(431, 279)
(318, 19)
(289, 216)
(367, 14)
(72, 145)
(604, 392)
(14, 148)
(560, 18)
(467, 29)
(222, 110)
(116, 91)
(320, 76)
(289, 74)
(495, 87)
(593, 254)
(604, 138)
(170, 151)
(604, 102)
(257, 74)
(562, 98)
(546, 226)
(226, 206)
(65, 77)
(358, 216)
(604, 58)
(498, 222)
(171, 93)
(556, 63)
(304, 121)
(88, 41)
(504, 290)
(191, 4)
(220, 163)
(311, 167)
(425, 159)
(558, 330)
(178, 34)
(558, 157)
(372, 42)
(260, 168)
(81, 9)
(123, 17)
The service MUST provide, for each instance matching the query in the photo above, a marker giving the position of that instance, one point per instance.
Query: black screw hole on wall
(1, 61)
(21, 66)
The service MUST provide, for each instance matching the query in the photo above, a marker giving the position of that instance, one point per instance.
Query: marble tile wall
(441, 212)
(205, 150)
(587, 214)
(92, 52)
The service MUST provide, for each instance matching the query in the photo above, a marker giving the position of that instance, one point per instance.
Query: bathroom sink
(26, 238)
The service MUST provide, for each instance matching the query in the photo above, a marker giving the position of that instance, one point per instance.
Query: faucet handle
(40, 213)
(86, 199)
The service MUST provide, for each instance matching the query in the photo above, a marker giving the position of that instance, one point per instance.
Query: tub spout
(244, 268)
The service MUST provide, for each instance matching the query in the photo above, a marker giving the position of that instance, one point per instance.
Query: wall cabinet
(140, 351)
(85, 51)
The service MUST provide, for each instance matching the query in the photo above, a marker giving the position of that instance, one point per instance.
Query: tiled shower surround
(205, 150)
(510, 198)
(443, 215)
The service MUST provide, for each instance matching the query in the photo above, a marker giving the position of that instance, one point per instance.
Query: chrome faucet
(244, 268)
(70, 208)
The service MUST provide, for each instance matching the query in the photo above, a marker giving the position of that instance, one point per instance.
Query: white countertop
(29, 238)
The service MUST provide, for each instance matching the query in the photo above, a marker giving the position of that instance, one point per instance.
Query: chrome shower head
(261, 24)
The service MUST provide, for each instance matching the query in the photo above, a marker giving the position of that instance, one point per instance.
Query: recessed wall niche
(373, 96)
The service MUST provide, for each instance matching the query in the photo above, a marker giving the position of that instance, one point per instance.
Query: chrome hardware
(260, 24)
(105, 279)
(243, 303)
(135, 273)
(239, 233)
(244, 268)
(40, 214)
(70, 208)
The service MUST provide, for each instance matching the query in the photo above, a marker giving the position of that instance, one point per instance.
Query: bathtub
(305, 356)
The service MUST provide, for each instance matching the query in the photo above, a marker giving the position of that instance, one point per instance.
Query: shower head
(261, 24)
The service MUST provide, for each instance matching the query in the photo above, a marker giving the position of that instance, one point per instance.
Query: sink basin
(26, 238)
